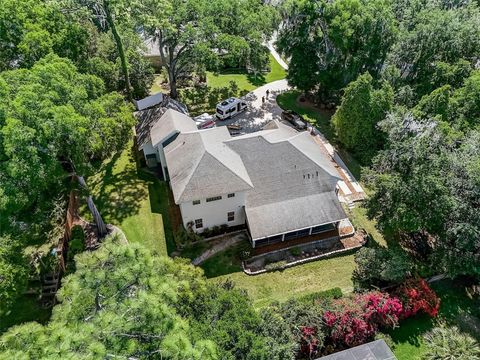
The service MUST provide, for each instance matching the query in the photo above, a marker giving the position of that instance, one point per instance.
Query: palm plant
(449, 343)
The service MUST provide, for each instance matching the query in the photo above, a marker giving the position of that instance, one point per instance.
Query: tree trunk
(97, 218)
(120, 49)
(173, 85)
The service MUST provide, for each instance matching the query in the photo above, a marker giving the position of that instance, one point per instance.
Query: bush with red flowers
(416, 296)
(309, 342)
(357, 320)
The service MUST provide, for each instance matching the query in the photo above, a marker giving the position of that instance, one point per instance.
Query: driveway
(259, 113)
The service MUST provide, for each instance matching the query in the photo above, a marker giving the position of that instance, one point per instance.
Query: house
(152, 134)
(375, 350)
(276, 181)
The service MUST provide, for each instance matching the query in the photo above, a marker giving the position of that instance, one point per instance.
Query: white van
(230, 107)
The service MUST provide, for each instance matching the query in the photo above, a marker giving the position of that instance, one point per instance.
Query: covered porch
(333, 230)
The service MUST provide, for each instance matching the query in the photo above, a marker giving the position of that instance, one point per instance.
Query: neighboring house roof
(171, 121)
(375, 350)
(200, 165)
(148, 117)
(293, 181)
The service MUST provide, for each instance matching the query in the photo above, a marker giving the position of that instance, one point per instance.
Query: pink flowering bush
(417, 296)
(357, 319)
(308, 342)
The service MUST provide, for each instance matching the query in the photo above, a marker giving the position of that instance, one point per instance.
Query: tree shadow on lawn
(160, 204)
(119, 195)
(225, 262)
(256, 80)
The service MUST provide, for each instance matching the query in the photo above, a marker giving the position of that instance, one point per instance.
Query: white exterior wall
(149, 149)
(214, 213)
(161, 156)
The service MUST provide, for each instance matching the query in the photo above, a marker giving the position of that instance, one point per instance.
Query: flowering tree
(417, 296)
(358, 319)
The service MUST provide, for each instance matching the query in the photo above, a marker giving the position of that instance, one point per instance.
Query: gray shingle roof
(293, 182)
(375, 350)
(170, 122)
(147, 118)
(200, 165)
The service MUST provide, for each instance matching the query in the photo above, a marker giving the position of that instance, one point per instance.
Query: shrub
(357, 319)
(309, 343)
(184, 237)
(279, 265)
(296, 251)
(416, 296)
(306, 325)
(380, 266)
(335, 293)
(444, 343)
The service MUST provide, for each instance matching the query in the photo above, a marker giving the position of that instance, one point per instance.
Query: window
(196, 202)
(198, 223)
(303, 232)
(220, 111)
(231, 216)
(291, 235)
(322, 228)
(215, 198)
(231, 195)
(269, 240)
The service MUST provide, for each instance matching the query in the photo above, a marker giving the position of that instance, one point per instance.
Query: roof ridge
(187, 180)
(231, 170)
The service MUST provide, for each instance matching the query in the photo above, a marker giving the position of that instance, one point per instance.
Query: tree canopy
(355, 120)
(330, 43)
(426, 187)
(124, 301)
(120, 302)
(194, 35)
(53, 115)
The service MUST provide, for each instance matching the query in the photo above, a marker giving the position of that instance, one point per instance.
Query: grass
(26, 308)
(283, 285)
(408, 338)
(359, 219)
(245, 81)
(133, 200)
(293, 282)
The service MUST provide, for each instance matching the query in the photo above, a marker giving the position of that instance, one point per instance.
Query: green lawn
(133, 200)
(359, 219)
(246, 82)
(283, 285)
(294, 282)
(408, 338)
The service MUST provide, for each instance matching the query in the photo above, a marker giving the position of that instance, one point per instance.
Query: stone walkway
(229, 241)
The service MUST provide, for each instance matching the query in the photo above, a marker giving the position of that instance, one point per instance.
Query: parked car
(229, 108)
(295, 119)
(205, 121)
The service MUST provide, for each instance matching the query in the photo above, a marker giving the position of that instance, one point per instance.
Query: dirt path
(229, 241)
